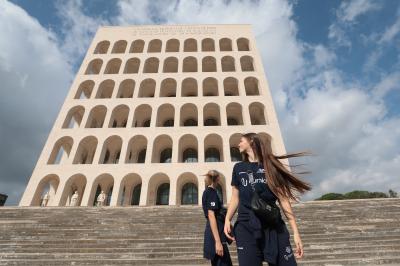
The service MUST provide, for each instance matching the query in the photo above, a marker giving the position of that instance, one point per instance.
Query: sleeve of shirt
(235, 177)
(212, 201)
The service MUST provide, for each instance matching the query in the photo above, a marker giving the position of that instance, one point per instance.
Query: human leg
(248, 251)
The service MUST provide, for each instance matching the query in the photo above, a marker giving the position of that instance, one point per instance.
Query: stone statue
(101, 198)
(74, 199)
(45, 199)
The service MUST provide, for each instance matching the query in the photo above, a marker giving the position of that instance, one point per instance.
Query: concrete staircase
(348, 232)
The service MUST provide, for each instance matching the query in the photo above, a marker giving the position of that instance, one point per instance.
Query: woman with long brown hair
(261, 170)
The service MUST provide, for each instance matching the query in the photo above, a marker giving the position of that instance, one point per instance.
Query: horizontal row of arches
(164, 116)
(170, 65)
(130, 190)
(189, 87)
(173, 45)
(113, 150)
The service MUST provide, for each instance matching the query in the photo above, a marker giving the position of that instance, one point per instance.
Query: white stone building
(150, 110)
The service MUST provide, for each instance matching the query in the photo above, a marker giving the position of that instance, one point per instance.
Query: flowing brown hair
(279, 179)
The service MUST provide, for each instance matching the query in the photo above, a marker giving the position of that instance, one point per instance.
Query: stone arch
(74, 117)
(170, 65)
(189, 64)
(172, 45)
(151, 65)
(119, 116)
(111, 150)
(119, 47)
(102, 47)
(113, 66)
(49, 183)
(77, 183)
(162, 149)
(207, 45)
(234, 114)
(86, 150)
(243, 44)
(209, 64)
(142, 116)
(126, 88)
(127, 187)
(137, 46)
(213, 148)
(210, 87)
(211, 115)
(132, 66)
(105, 89)
(85, 90)
(168, 88)
(189, 87)
(257, 113)
(61, 150)
(155, 182)
(225, 44)
(136, 151)
(191, 196)
(154, 46)
(231, 86)
(188, 149)
(165, 115)
(251, 86)
(147, 88)
(246, 62)
(190, 45)
(103, 182)
(235, 154)
(228, 64)
(94, 67)
(96, 117)
(188, 115)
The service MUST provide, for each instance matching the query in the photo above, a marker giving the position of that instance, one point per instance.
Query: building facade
(150, 110)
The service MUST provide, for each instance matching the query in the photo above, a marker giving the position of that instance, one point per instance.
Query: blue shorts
(249, 249)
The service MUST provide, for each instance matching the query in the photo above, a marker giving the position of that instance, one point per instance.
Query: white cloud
(34, 78)
(349, 11)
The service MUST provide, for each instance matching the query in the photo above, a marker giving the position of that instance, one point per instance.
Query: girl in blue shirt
(272, 181)
(215, 242)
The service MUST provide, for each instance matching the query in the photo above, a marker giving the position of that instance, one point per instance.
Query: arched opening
(243, 44)
(86, 150)
(137, 46)
(154, 46)
(190, 45)
(207, 45)
(209, 64)
(119, 47)
(94, 67)
(151, 65)
(228, 64)
(132, 66)
(189, 87)
(172, 46)
(102, 47)
(113, 66)
(85, 90)
(189, 64)
(246, 63)
(225, 44)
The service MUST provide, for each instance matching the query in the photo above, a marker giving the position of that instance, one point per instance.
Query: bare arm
(289, 214)
(214, 226)
(232, 207)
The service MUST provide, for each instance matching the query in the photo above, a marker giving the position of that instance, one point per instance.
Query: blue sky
(332, 66)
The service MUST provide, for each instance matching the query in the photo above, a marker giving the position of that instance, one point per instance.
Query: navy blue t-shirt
(241, 179)
(211, 201)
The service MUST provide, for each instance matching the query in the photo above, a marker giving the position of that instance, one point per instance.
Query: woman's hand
(219, 249)
(299, 246)
(227, 229)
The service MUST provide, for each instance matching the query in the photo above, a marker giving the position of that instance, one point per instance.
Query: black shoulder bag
(267, 211)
